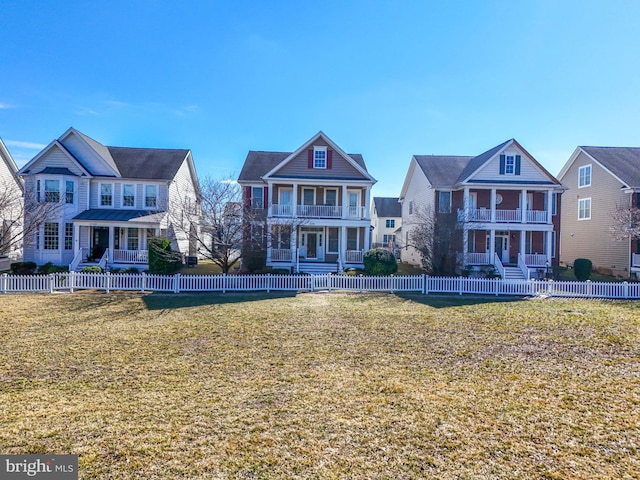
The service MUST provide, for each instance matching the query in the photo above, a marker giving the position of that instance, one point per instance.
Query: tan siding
(591, 238)
(298, 167)
(529, 171)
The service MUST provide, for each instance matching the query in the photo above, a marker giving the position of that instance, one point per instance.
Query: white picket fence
(424, 284)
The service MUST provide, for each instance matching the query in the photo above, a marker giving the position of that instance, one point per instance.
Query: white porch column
(111, 244)
(523, 205)
(493, 205)
(548, 245)
(367, 206)
(465, 202)
(293, 244)
(549, 206)
(269, 198)
(343, 244)
(523, 243)
(269, 233)
(76, 239)
(345, 201)
(294, 200)
(492, 244)
(465, 241)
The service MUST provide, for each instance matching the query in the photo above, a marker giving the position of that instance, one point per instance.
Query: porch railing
(483, 214)
(281, 254)
(130, 256)
(281, 210)
(536, 216)
(498, 264)
(477, 259)
(354, 256)
(355, 212)
(535, 260)
(318, 211)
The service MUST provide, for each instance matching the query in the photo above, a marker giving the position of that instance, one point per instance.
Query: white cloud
(29, 145)
(5, 106)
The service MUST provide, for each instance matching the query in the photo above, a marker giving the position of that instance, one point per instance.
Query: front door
(314, 242)
(501, 247)
(100, 242)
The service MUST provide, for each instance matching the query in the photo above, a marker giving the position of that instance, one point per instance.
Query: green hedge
(380, 262)
(582, 268)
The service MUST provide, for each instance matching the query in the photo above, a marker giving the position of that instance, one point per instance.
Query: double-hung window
(132, 238)
(584, 176)
(106, 194)
(150, 196)
(319, 157)
(390, 223)
(257, 197)
(584, 209)
(51, 236)
(69, 188)
(128, 195)
(509, 165)
(68, 236)
(52, 191)
(444, 202)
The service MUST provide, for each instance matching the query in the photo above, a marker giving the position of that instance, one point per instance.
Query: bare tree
(21, 215)
(435, 236)
(626, 222)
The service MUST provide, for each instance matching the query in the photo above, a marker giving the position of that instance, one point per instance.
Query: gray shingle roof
(477, 162)
(442, 170)
(118, 215)
(624, 162)
(387, 206)
(259, 163)
(148, 163)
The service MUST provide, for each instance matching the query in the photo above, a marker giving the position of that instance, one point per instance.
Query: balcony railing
(130, 256)
(502, 216)
(317, 211)
(354, 256)
(281, 254)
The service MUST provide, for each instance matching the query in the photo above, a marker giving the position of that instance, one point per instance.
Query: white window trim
(314, 195)
(135, 188)
(506, 164)
(387, 220)
(440, 203)
(281, 191)
(320, 149)
(73, 192)
(580, 170)
(144, 196)
(59, 192)
(332, 190)
(337, 250)
(581, 200)
(100, 205)
(254, 197)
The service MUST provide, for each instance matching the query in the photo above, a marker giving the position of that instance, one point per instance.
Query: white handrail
(104, 259)
(77, 260)
(522, 264)
(498, 264)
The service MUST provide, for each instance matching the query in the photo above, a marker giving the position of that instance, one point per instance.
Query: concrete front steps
(513, 273)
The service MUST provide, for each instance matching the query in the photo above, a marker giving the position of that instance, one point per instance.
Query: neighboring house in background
(113, 200)
(11, 205)
(600, 180)
(506, 204)
(386, 219)
(309, 207)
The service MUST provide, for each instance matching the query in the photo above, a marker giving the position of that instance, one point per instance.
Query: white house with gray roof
(113, 200)
(506, 204)
(309, 206)
(386, 220)
(600, 180)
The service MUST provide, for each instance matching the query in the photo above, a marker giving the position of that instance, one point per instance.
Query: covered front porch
(510, 251)
(317, 249)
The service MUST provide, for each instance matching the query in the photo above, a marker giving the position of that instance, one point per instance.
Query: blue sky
(387, 79)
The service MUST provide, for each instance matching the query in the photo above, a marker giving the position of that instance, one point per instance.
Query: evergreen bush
(582, 268)
(380, 262)
(162, 259)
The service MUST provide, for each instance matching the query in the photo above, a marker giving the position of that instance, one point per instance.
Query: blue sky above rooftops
(384, 79)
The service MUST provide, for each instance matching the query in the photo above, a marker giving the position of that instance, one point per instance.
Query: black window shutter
(517, 164)
(501, 164)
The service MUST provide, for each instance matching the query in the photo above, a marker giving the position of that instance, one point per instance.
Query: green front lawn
(326, 386)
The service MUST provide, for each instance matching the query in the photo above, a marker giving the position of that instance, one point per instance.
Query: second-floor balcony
(318, 211)
(502, 216)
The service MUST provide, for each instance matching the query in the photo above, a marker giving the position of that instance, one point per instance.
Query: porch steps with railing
(318, 268)
(513, 273)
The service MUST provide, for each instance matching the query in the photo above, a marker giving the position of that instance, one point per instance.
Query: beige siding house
(112, 199)
(309, 207)
(11, 206)
(599, 181)
(505, 203)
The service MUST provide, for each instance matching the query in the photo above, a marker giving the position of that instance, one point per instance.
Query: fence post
(550, 288)
(329, 281)
(50, 282)
(393, 280)
(268, 282)
(589, 288)
(626, 289)
(460, 279)
(224, 283)
(72, 280)
(313, 282)
(425, 285)
(5, 279)
(108, 282)
(176, 283)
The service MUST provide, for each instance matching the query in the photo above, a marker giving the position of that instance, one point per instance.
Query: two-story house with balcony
(112, 201)
(507, 207)
(309, 206)
(386, 220)
(601, 182)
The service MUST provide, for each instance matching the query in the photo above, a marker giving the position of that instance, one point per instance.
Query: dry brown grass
(327, 386)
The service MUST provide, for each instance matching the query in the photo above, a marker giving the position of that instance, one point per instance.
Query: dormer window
(319, 157)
